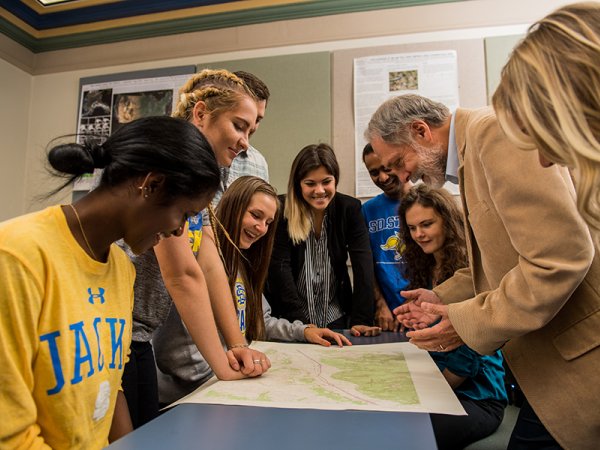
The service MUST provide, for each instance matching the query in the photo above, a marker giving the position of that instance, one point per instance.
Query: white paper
(376, 78)
(381, 377)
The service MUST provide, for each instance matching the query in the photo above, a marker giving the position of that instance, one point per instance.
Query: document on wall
(107, 105)
(379, 377)
(377, 78)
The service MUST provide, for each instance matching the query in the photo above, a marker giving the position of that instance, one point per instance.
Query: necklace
(83, 232)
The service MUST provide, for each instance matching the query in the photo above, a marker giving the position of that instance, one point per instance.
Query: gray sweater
(152, 301)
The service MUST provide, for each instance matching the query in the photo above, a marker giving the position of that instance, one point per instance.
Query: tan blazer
(527, 288)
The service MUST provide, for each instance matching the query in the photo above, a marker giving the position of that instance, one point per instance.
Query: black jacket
(346, 233)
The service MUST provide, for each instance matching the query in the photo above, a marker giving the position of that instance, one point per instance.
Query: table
(225, 427)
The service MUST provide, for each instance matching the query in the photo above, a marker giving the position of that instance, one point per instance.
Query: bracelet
(231, 347)
(310, 325)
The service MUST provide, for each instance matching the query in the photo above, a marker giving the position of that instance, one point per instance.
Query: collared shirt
(249, 162)
(452, 161)
(316, 283)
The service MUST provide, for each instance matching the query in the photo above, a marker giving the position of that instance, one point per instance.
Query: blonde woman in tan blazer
(531, 287)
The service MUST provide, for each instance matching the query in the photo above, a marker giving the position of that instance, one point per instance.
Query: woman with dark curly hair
(428, 266)
(432, 230)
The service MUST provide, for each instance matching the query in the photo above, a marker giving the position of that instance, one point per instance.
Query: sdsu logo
(395, 244)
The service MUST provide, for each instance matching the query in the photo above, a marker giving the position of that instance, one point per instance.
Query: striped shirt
(316, 284)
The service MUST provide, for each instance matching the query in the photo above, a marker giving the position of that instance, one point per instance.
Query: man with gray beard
(531, 284)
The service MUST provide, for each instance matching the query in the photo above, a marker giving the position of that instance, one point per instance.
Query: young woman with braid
(223, 109)
(245, 229)
(66, 294)
(432, 230)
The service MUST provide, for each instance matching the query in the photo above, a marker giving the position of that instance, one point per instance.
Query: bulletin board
(107, 102)
(471, 79)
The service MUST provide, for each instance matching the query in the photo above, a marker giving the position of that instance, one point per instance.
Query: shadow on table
(384, 338)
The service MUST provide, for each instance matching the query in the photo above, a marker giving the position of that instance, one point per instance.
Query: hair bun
(100, 156)
(71, 158)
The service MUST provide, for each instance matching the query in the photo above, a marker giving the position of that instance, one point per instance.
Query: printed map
(381, 377)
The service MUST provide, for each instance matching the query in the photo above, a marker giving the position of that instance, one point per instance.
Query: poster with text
(377, 78)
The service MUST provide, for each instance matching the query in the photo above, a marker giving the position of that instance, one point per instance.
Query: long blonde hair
(549, 97)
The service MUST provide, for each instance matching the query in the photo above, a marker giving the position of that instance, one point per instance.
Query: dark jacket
(346, 233)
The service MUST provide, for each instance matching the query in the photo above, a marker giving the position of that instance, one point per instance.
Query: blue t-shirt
(381, 215)
(484, 373)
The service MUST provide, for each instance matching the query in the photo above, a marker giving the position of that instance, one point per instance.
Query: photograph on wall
(404, 80)
(108, 102)
(378, 78)
(129, 106)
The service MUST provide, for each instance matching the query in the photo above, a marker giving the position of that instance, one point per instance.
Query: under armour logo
(93, 296)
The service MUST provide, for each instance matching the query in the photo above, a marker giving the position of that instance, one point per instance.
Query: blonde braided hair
(219, 89)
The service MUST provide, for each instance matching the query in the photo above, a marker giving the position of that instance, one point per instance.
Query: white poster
(105, 106)
(377, 78)
(379, 377)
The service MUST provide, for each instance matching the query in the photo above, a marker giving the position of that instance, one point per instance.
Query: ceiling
(78, 23)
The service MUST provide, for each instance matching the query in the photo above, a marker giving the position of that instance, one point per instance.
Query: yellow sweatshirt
(65, 330)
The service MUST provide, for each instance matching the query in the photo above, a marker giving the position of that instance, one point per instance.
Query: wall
(497, 51)
(54, 85)
(15, 89)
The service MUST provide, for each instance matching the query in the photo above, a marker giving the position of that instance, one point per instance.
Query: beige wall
(15, 89)
(44, 105)
(498, 46)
